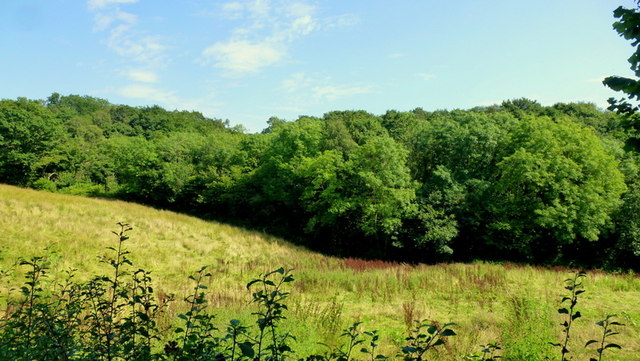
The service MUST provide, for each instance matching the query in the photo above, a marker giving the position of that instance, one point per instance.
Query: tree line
(517, 181)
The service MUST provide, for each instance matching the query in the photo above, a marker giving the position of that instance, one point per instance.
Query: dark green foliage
(41, 324)
(554, 181)
(28, 135)
(195, 338)
(270, 297)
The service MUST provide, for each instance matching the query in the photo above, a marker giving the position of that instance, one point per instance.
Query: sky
(245, 61)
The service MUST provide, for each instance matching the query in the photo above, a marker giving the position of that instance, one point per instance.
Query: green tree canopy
(28, 136)
(555, 182)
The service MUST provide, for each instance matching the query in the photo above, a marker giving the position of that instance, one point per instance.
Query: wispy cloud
(98, 4)
(123, 37)
(425, 76)
(169, 99)
(104, 19)
(243, 56)
(339, 21)
(303, 87)
(297, 82)
(263, 39)
(333, 92)
(142, 75)
(147, 92)
(147, 50)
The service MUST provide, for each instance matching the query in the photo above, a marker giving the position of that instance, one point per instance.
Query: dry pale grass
(485, 300)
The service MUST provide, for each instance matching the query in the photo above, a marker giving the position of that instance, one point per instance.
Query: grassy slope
(514, 305)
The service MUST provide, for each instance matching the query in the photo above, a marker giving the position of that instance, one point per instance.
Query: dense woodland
(516, 181)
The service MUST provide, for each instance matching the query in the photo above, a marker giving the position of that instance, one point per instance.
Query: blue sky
(248, 60)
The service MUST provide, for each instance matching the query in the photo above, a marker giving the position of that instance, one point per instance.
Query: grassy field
(512, 304)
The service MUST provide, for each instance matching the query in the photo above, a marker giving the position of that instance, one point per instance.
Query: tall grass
(511, 304)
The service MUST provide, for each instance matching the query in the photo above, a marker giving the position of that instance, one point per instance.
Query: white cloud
(104, 20)
(98, 4)
(297, 82)
(147, 50)
(259, 8)
(346, 20)
(242, 56)
(143, 76)
(302, 87)
(232, 7)
(425, 76)
(332, 92)
(233, 10)
(264, 38)
(206, 104)
(301, 26)
(141, 91)
(256, 9)
(298, 10)
(124, 38)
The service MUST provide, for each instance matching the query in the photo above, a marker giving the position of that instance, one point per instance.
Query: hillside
(514, 305)
(170, 244)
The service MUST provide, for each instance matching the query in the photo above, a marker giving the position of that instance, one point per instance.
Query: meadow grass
(514, 305)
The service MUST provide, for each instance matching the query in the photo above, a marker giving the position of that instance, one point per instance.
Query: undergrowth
(119, 316)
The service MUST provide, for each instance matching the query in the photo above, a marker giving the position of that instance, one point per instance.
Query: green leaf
(247, 349)
(448, 332)
(408, 349)
(576, 315)
(589, 342)
(613, 345)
